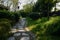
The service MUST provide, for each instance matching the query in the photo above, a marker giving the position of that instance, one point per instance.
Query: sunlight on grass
(52, 20)
(39, 20)
(51, 23)
(31, 27)
(44, 26)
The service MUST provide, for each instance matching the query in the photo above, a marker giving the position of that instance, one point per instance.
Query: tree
(15, 3)
(43, 6)
(28, 8)
(1, 1)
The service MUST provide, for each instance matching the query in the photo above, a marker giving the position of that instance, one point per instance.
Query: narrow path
(21, 25)
(21, 31)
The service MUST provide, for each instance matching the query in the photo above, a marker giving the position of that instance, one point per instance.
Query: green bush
(5, 26)
(45, 29)
(34, 16)
(53, 26)
(9, 15)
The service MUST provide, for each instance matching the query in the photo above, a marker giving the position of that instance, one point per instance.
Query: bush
(23, 14)
(5, 26)
(9, 15)
(16, 16)
(53, 26)
(34, 16)
(45, 29)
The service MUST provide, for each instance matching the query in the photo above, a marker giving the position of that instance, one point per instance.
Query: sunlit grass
(44, 27)
(31, 27)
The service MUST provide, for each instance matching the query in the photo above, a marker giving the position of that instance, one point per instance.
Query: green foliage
(7, 20)
(53, 27)
(9, 15)
(34, 15)
(43, 5)
(23, 14)
(5, 26)
(45, 29)
(28, 8)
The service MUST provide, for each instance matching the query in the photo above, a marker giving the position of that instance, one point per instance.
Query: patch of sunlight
(38, 20)
(52, 20)
(13, 31)
(37, 32)
(42, 27)
(31, 27)
(27, 29)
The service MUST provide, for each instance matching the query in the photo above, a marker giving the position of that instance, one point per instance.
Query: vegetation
(2, 7)
(37, 19)
(45, 29)
(28, 8)
(9, 15)
(7, 20)
(5, 26)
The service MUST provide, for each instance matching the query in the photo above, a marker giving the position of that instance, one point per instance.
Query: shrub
(16, 16)
(5, 26)
(53, 26)
(34, 16)
(9, 15)
(45, 29)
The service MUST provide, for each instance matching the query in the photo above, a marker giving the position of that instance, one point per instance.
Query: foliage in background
(43, 6)
(9, 15)
(34, 15)
(28, 8)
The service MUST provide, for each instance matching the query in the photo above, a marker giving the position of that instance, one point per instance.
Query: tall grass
(45, 29)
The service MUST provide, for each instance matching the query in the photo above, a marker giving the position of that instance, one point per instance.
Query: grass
(45, 29)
